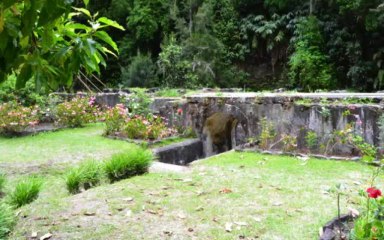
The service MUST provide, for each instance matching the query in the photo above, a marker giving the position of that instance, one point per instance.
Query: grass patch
(7, 220)
(67, 144)
(87, 175)
(128, 164)
(2, 183)
(26, 191)
(168, 92)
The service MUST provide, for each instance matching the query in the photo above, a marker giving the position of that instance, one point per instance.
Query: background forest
(255, 44)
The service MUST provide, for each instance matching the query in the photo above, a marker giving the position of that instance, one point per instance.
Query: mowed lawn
(229, 196)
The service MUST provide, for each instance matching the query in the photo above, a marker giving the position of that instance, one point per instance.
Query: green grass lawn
(254, 196)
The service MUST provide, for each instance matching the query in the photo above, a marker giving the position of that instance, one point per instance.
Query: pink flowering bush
(115, 118)
(147, 128)
(120, 123)
(77, 112)
(15, 118)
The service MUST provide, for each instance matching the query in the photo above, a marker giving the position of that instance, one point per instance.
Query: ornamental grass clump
(77, 112)
(128, 164)
(26, 191)
(87, 175)
(15, 118)
(7, 220)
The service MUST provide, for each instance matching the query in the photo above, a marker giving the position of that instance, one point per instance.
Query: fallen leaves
(228, 227)
(46, 236)
(89, 213)
(225, 191)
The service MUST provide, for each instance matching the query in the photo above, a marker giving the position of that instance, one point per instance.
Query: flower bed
(77, 112)
(14, 118)
(122, 125)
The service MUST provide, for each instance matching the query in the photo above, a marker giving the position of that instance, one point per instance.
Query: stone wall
(324, 114)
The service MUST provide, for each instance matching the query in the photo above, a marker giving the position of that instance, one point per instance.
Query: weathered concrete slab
(180, 153)
(323, 114)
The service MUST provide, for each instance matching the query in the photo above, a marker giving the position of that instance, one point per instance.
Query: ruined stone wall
(324, 115)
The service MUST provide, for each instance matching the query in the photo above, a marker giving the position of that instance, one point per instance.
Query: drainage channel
(181, 153)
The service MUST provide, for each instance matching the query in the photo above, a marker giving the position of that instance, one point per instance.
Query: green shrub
(140, 73)
(309, 65)
(128, 164)
(7, 220)
(311, 139)
(26, 191)
(88, 174)
(27, 96)
(139, 103)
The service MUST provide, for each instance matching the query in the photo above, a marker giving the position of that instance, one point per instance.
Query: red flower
(179, 111)
(373, 192)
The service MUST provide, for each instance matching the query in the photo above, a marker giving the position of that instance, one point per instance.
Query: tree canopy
(257, 44)
(50, 41)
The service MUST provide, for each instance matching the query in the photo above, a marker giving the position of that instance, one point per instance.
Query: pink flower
(179, 111)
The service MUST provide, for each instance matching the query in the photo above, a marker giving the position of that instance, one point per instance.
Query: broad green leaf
(111, 23)
(109, 51)
(86, 2)
(107, 39)
(78, 26)
(83, 10)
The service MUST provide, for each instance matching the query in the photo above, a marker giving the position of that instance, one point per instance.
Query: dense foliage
(45, 41)
(300, 44)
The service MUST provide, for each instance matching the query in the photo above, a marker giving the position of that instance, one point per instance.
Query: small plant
(77, 112)
(128, 164)
(346, 113)
(15, 118)
(139, 103)
(305, 102)
(325, 112)
(87, 175)
(311, 140)
(7, 220)
(289, 142)
(267, 134)
(26, 191)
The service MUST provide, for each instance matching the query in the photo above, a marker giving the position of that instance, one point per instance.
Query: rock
(46, 236)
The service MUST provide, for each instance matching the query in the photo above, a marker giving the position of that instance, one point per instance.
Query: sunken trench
(221, 132)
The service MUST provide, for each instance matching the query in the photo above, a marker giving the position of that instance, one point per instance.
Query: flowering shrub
(119, 121)
(77, 112)
(15, 118)
(115, 118)
(153, 127)
(370, 225)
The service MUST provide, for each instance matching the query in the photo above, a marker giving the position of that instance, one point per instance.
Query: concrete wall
(180, 153)
(291, 118)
